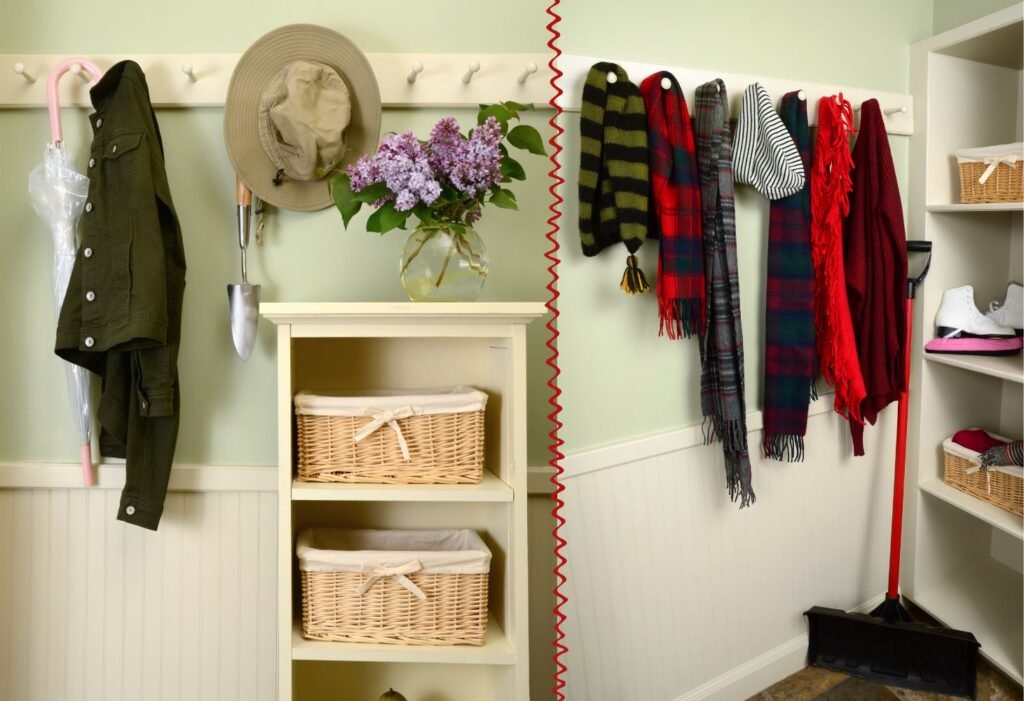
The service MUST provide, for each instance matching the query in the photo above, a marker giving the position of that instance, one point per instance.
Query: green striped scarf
(614, 185)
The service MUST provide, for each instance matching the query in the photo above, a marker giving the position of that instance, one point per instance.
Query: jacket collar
(103, 92)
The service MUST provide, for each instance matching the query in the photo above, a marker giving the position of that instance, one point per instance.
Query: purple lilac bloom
(446, 147)
(401, 163)
(470, 165)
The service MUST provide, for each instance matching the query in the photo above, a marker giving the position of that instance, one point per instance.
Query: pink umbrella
(58, 191)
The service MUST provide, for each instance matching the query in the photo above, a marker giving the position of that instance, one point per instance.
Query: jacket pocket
(119, 146)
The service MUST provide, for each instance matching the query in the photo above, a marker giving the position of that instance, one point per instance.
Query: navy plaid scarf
(789, 356)
(722, 400)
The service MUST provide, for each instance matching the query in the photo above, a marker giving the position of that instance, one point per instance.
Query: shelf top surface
(985, 207)
(490, 489)
(1004, 367)
(408, 312)
(1005, 521)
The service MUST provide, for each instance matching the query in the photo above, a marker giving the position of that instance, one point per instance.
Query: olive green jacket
(121, 317)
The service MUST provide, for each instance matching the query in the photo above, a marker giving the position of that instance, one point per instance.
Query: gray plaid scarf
(721, 391)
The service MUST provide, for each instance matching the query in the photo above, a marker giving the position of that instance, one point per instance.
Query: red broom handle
(901, 464)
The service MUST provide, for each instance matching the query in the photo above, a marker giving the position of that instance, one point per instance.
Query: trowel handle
(244, 198)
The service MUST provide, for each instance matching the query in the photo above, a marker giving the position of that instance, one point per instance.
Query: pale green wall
(952, 13)
(228, 414)
(619, 379)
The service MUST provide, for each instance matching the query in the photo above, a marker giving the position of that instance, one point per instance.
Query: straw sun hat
(303, 102)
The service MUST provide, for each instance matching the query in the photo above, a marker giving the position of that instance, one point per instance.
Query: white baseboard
(758, 674)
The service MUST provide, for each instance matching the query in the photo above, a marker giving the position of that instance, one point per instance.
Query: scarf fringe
(680, 318)
(814, 390)
(633, 280)
(739, 490)
(783, 447)
(732, 434)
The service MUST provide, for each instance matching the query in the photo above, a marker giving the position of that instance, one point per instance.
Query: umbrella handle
(53, 94)
(88, 476)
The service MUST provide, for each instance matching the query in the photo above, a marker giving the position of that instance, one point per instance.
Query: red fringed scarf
(830, 202)
(875, 254)
(677, 222)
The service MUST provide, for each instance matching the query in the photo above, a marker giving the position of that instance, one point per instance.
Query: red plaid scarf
(676, 194)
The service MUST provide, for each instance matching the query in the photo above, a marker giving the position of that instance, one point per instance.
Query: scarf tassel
(681, 318)
(784, 448)
(633, 280)
(739, 489)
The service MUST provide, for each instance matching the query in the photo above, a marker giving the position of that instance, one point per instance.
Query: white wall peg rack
(897, 107)
(405, 80)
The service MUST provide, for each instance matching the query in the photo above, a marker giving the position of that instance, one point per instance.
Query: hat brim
(257, 66)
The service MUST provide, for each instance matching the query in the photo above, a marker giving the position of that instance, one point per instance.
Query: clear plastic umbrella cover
(58, 192)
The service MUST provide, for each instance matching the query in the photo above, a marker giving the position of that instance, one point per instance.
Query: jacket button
(99, 123)
(114, 149)
(90, 341)
(88, 206)
(92, 162)
(90, 296)
(87, 253)
(130, 510)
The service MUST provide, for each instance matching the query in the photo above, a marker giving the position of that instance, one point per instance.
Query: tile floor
(817, 684)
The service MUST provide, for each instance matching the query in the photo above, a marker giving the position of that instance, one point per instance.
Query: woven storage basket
(991, 174)
(399, 587)
(1001, 486)
(390, 437)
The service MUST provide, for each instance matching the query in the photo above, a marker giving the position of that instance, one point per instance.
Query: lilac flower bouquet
(444, 181)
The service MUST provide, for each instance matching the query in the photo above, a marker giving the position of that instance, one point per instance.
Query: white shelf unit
(963, 556)
(352, 347)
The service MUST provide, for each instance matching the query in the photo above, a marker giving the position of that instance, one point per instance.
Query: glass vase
(443, 265)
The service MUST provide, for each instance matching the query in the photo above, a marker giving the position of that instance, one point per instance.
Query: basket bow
(390, 418)
(993, 163)
(398, 572)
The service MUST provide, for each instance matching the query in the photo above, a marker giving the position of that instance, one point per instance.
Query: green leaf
(526, 137)
(512, 169)
(515, 107)
(498, 112)
(372, 193)
(386, 218)
(506, 199)
(424, 213)
(344, 199)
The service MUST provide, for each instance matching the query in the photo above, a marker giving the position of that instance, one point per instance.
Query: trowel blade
(244, 304)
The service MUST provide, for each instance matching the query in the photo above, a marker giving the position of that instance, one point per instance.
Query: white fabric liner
(445, 400)
(352, 550)
(956, 449)
(1003, 152)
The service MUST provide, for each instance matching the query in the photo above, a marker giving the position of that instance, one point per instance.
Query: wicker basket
(1001, 486)
(431, 437)
(991, 174)
(398, 587)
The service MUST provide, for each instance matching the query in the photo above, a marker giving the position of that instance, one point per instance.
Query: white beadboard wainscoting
(675, 593)
(94, 610)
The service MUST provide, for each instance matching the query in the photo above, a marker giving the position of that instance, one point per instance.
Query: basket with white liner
(433, 436)
(991, 174)
(1002, 485)
(425, 587)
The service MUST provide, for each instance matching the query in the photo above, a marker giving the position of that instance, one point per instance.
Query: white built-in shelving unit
(351, 347)
(964, 555)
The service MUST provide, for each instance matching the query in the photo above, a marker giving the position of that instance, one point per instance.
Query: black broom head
(888, 648)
